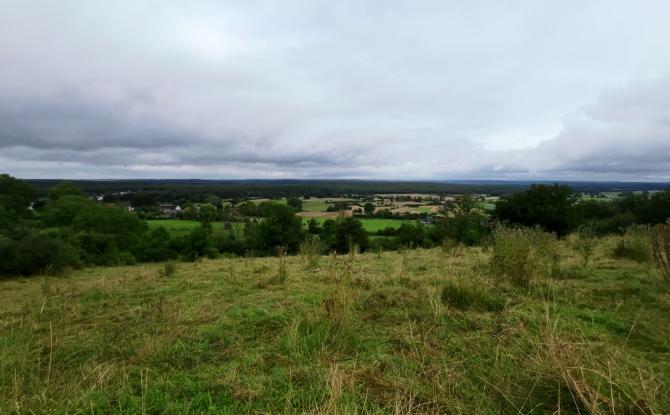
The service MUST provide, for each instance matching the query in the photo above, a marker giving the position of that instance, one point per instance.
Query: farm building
(169, 210)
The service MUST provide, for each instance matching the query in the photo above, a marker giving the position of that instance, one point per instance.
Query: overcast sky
(335, 89)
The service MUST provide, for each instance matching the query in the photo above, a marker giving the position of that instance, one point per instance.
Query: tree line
(70, 230)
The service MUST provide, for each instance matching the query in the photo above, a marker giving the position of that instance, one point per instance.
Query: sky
(411, 90)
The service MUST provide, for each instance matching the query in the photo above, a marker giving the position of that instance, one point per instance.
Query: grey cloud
(428, 90)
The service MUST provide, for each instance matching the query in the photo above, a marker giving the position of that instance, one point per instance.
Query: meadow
(178, 227)
(417, 331)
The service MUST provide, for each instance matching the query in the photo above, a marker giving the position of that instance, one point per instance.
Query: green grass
(315, 205)
(410, 332)
(372, 225)
(178, 227)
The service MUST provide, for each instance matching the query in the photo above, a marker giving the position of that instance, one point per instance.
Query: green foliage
(585, 243)
(550, 207)
(15, 194)
(522, 255)
(35, 253)
(295, 203)
(468, 229)
(343, 233)
(280, 227)
(413, 236)
(64, 189)
(369, 208)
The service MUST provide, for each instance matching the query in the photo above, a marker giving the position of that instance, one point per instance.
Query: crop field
(421, 331)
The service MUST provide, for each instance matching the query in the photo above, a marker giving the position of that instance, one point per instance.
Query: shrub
(167, 270)
(660, 248)
(522, 254)
(585, 243)
(39, 253)
(634, 245)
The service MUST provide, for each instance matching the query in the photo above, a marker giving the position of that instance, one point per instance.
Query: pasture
(421, 331)
(178, 227)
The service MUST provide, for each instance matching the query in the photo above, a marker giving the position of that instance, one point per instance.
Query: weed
(310, 251)
(523, 254)
(660, 247)
(452, 248)
(585, 243)
(167, 270)
(634, 245)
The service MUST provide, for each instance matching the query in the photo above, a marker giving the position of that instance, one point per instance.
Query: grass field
(372, 225)
(410, 332)
(177, 227)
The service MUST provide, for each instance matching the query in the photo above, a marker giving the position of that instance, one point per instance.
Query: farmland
(422, 331)
(178, 227)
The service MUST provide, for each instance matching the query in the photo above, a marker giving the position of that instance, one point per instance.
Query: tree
(280, 228)
(412, 235)
(342, 234)
(461, 205)
(551, 207)
(369, 208)
(15, 195)
(295, 203)
(63, 189)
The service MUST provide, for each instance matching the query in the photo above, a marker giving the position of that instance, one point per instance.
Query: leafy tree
(461, 205)
(156, 246)
(551, 207)
(295, 203)
(63, 210)
(341, 234)
(369, 208)
(280, 227)
(412, 235)
(15, 195)
(208, 213)
(468, 229)
(36, 252)
(313, 227)
(63, 189)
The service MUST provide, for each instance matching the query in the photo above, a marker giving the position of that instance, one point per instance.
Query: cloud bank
(399, 90)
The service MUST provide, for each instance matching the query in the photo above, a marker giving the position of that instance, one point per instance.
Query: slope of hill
(421, 331)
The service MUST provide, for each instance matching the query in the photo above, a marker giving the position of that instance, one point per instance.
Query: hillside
(420, 331)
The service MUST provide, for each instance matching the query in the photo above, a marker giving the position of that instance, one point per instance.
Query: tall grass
(584, 243)
(634, 244)
(522, 255)
(310, 251)
(661, 248)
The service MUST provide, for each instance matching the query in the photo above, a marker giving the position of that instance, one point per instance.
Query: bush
(585, 243)
(634, 245)
(523, 254)
(37, 253)
(167, 270)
